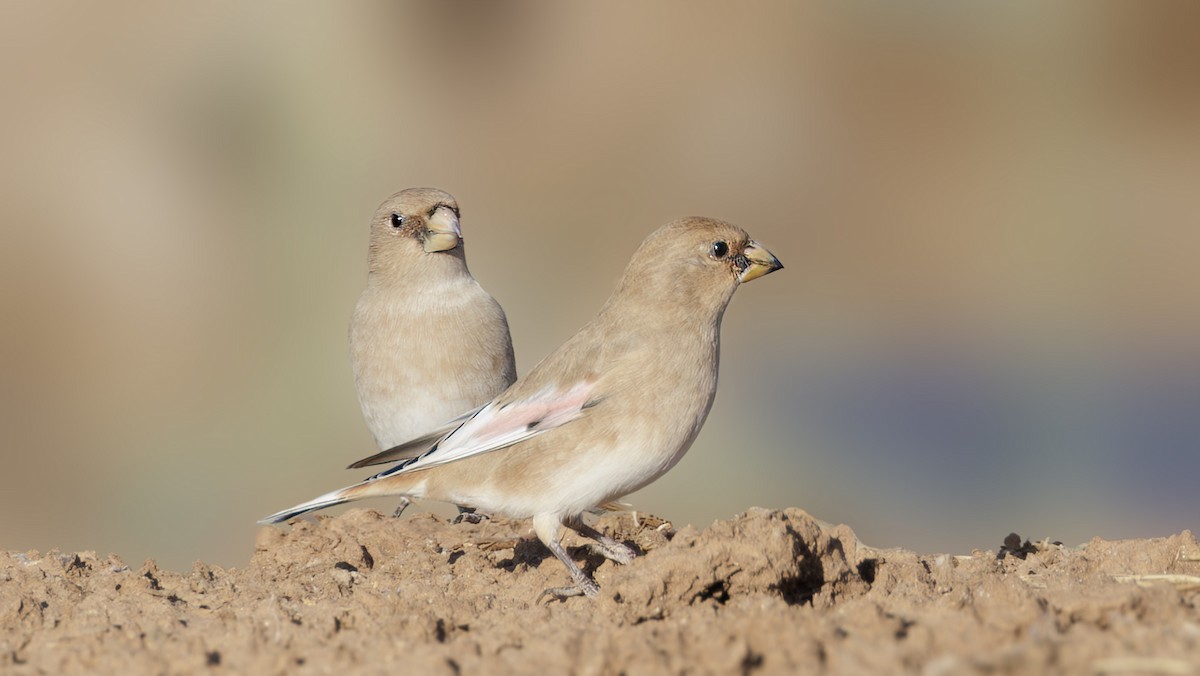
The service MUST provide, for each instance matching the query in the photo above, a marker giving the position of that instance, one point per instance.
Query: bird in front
(607, 413)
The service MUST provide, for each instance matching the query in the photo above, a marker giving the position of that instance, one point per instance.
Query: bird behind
(427, 342)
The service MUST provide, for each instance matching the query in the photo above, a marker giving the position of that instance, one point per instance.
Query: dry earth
(767, 591)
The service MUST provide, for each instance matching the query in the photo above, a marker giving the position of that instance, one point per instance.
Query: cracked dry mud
(766, 591)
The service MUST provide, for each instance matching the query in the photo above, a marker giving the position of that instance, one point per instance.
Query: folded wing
(497, 426)
(412, 449)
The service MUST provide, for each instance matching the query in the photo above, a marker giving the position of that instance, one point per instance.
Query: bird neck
(671, 307)
(675, 311)
(384, 268)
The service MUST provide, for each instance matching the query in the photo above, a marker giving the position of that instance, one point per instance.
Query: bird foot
(614, 551)
(470, 517)
(585, 587)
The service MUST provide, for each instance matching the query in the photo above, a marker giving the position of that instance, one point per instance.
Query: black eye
(719, 249)
(397, 220)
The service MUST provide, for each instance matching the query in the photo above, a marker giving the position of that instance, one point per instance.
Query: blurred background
(989, 214)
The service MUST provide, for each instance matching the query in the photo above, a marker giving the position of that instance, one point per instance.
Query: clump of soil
(767, 590)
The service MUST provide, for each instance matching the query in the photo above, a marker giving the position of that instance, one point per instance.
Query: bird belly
(419, 367)
(395, 417)
(563, 483)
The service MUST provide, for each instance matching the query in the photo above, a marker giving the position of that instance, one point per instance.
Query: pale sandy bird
(427, 343)
(607, 413)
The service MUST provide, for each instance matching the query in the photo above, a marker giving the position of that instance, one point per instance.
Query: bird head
(413, 223)
(701, 257)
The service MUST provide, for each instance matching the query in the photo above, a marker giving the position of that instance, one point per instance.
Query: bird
(427, 342)
(607, 413)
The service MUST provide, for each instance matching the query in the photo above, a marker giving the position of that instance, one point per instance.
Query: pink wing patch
(496, 427)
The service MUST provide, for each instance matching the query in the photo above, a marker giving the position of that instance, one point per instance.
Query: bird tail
(341, 495)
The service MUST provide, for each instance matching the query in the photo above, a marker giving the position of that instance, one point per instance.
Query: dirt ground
(766, 591)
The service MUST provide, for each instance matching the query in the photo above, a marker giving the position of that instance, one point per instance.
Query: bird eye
(397, 220)
(719, 249)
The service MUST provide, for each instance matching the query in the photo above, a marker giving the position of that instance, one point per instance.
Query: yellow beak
(442, 232)
(759, 262)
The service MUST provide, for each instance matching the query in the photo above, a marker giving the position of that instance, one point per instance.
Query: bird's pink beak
(441, 231)
(759, 262)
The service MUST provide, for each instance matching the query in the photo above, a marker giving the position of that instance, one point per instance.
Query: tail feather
(320, 502)
(365, 489)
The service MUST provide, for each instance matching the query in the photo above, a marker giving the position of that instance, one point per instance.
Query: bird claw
(470, 517)
(584, 588)
(615, 552)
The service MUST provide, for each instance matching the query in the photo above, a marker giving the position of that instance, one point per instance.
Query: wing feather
(497, 426)
(416, 447)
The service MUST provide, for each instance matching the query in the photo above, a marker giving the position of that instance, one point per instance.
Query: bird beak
(759, 262)
(441, 232)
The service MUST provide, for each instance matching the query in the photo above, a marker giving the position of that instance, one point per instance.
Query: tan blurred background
(989, 213)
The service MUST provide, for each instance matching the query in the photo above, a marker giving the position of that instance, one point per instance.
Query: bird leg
(404, 503)
(605, 546)
(547, 528)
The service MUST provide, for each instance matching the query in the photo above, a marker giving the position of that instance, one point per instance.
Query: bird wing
(500, 425)
(414, 448)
